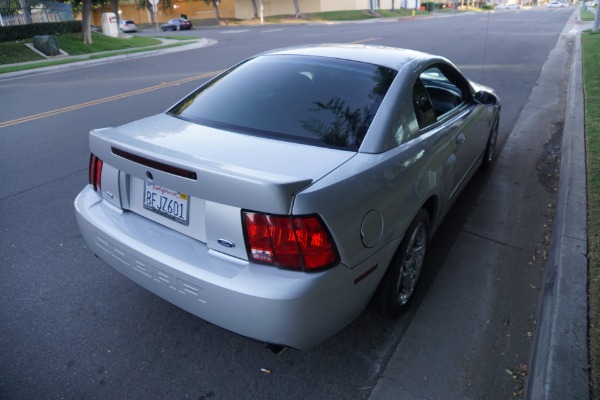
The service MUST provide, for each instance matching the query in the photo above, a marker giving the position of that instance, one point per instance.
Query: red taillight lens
(289, 242)
(258, 238)
(95, 172)
(315, 244)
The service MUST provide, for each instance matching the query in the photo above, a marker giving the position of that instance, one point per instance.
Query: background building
(244, 9)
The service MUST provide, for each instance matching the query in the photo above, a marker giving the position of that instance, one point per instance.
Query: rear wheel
(401, 277)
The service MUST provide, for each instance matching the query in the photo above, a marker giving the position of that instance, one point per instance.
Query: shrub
(21, 32)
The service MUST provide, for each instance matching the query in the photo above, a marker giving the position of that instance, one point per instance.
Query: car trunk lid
(219, 174)
(235, 169)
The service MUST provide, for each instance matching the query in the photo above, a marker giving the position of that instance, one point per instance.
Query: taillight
(95, 172)
(289, 242)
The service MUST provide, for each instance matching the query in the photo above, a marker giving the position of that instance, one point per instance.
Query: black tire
(490, 149)
(400, 279)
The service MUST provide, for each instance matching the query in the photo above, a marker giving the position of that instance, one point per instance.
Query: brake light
(301, 243)
(95, 172)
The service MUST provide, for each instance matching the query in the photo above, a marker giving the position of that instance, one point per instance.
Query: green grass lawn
(102, 46)
(587, 15)
(73, 44)
(591, 82)
(17, 52)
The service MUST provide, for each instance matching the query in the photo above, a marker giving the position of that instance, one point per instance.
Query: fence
(43, 11)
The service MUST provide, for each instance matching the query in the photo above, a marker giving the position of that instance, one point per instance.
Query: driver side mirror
(485, 98)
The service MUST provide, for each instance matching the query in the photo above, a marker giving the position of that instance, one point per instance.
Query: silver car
(127, 25)
(277, 199)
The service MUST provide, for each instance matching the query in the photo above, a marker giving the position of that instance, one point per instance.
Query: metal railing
(43, 11)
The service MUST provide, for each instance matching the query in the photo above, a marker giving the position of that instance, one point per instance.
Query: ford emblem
(226, 243)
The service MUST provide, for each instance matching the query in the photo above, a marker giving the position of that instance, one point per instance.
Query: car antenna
(487, 28)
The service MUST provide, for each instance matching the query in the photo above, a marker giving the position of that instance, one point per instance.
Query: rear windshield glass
(323, 101)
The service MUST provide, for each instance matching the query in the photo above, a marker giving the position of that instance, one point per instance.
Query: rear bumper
(289, 308)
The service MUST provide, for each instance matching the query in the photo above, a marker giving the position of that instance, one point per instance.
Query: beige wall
(195, 9)
(338, 5)
(242, 9)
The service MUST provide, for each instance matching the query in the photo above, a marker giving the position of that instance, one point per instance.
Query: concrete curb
(559, 368)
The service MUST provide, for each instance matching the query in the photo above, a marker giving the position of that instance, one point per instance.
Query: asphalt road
(73, 328)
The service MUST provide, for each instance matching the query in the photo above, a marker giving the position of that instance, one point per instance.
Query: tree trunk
(150, 11)
(297, 9)
(216, 10)
(255, 8)
(86, 21)
(393, 1)
(114, 7)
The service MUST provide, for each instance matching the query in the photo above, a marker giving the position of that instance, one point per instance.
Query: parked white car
(127, 25)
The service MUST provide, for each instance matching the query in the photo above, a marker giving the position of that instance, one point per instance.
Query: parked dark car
(176, 24)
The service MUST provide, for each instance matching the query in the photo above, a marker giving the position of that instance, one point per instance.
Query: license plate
(166, 202)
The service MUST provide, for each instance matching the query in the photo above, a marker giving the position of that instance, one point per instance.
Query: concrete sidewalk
(559, 368)
(559, 363)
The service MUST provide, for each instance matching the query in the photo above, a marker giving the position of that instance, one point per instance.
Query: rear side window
(315, 100)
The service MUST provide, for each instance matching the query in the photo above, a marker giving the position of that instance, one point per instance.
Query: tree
(86, 21)
(215, 4)
(297, 9)
(164, 5)
(114, 7)
(255, 8)
(84, 7)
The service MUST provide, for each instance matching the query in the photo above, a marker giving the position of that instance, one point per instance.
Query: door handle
(460, 138)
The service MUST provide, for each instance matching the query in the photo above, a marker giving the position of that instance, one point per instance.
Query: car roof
(390, 57)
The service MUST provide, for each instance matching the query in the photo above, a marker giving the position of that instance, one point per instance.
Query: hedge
(22, 32)
(431, 5)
